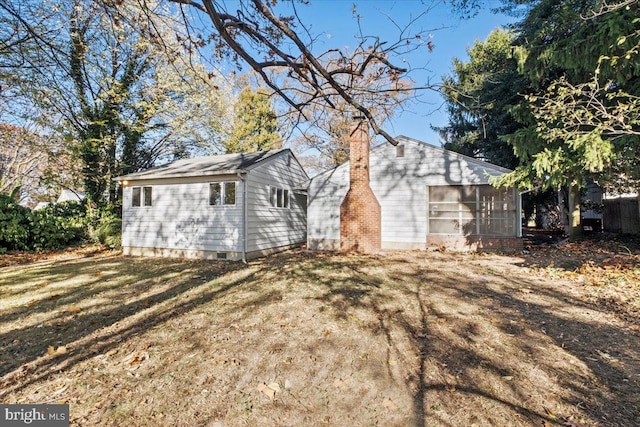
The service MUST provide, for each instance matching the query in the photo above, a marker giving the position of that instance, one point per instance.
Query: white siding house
(234, 206)
(428, 196)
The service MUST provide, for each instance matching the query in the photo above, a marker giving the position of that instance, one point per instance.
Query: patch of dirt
(306, 338)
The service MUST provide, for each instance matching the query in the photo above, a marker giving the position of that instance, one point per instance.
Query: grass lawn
(308, 339)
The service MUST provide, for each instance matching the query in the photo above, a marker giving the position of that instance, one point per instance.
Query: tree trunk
(573, 204)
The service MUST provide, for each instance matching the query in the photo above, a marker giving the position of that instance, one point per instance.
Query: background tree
(481, 98)
(484, 99)
(601, 116)
(574, 118)
(559, 46)
(327, 129)
(255, 126)
(122, 98)
(34, 168)
(562, 45)
(23, 160)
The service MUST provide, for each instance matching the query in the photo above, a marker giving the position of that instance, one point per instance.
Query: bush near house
(55, 226)
(106, 228)
(14, 225)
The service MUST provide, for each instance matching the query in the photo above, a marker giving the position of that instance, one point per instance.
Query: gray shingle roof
(204, 166)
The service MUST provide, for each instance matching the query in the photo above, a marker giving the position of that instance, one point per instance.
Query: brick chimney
(360, 210)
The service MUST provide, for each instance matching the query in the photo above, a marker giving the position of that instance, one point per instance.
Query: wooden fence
(621, 215)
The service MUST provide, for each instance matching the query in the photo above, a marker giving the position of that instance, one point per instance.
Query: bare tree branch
(609, 7)
(281, 48)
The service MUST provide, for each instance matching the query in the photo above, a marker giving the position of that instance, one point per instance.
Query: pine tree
(480, 96)
(255, 127)
(576, 85)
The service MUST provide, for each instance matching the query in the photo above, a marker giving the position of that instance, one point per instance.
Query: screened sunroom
(472, 210)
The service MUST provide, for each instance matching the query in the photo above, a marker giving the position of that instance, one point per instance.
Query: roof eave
(134, 177)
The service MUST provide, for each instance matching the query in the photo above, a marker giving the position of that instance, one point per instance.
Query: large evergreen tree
(255, 126)
(481, 95)
(563, 45)
(577, 120)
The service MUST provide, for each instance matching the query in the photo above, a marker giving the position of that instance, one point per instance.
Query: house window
(148, 198)
(136, 196)
(141, 196)
(472, 210)
(399, 150)
(222, 193)
(279, 197)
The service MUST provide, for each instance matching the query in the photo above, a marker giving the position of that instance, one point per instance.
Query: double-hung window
(279, 197)
(142, 196)
(222, 193)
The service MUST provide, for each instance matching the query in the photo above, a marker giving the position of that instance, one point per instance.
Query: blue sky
(333, 20)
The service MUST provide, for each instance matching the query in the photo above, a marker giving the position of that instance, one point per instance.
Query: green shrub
(14, 225)
(106, 228)
(109, 230)
(57, 226)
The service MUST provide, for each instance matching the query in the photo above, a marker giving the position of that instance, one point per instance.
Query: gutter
(245, 221)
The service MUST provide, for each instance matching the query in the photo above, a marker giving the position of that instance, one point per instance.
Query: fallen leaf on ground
(268, 390)
(136, 358)
(549, 413)
(60, 350)
(73, 309)
(274, 386)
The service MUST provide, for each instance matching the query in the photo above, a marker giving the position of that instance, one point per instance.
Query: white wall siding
(181, 218)
(271, 227)
(326, 193)
(400, 184)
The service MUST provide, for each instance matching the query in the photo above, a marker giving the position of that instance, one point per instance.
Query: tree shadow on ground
(464, 340)
(481, 340)
(136, 307)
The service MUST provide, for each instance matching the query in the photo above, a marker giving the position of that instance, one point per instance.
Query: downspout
(244, 216)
